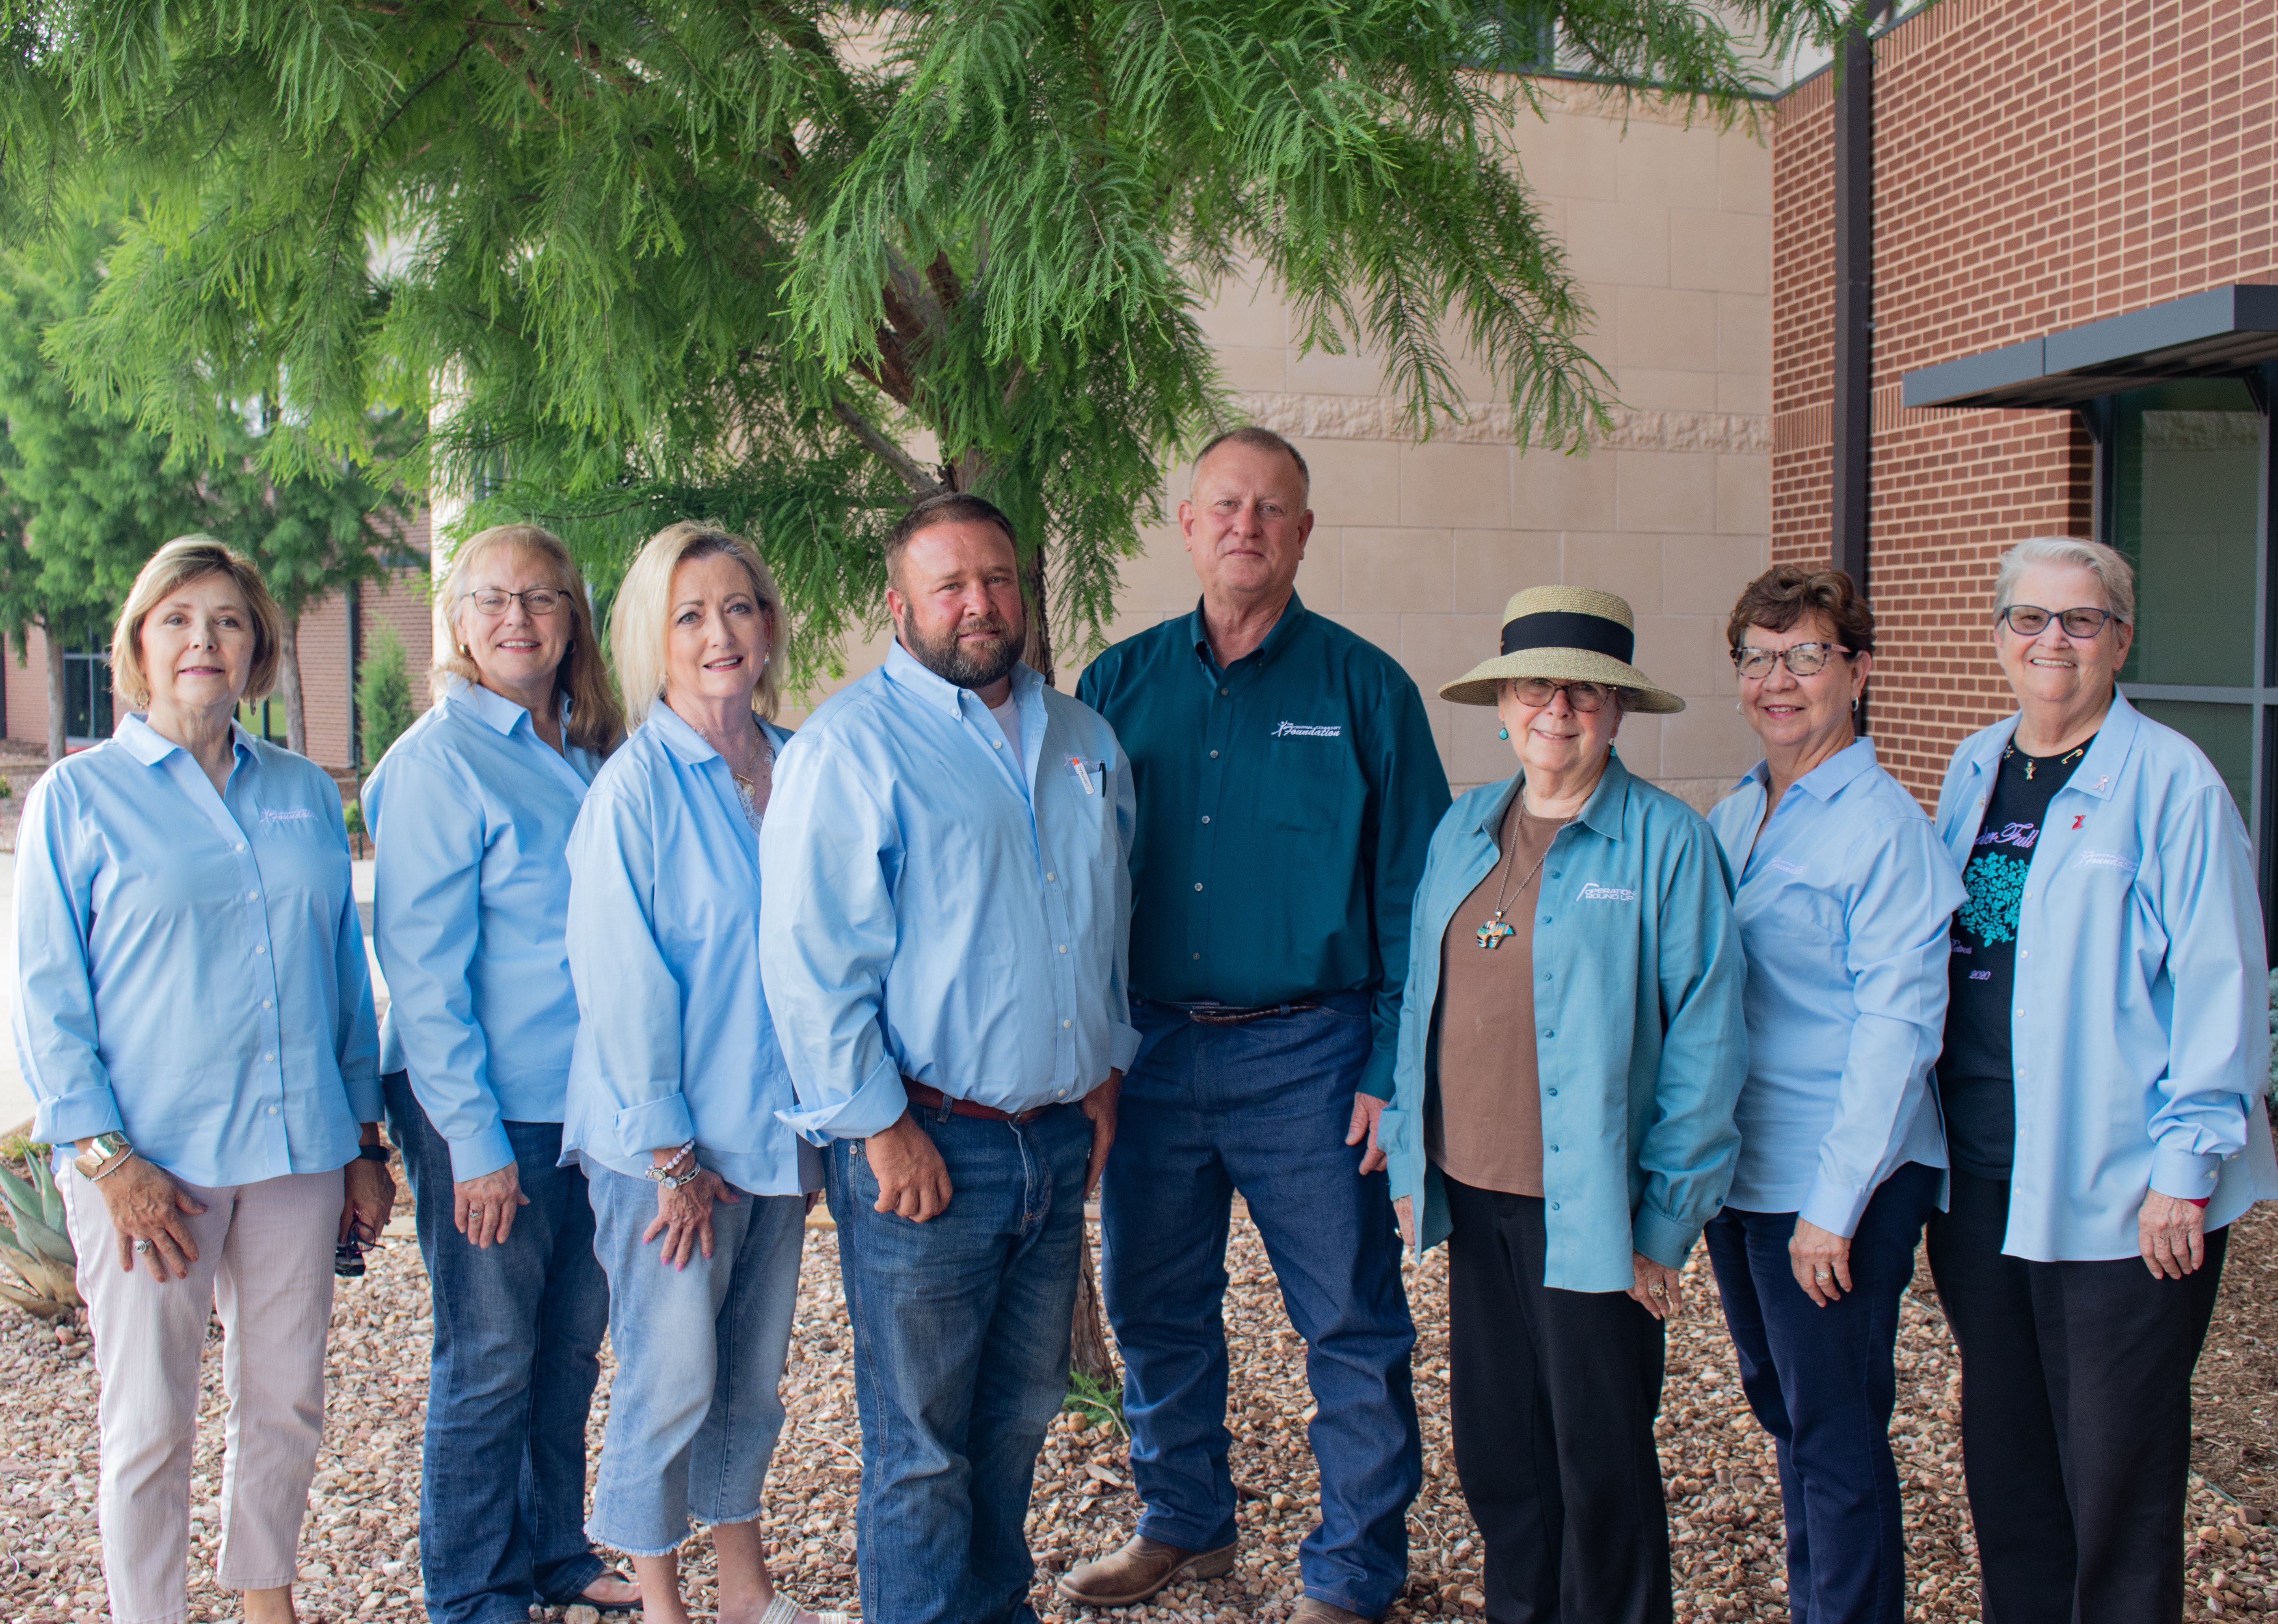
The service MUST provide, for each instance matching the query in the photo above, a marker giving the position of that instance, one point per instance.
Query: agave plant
(34, 1242)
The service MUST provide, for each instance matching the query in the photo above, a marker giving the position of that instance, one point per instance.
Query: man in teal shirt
(1287, 788)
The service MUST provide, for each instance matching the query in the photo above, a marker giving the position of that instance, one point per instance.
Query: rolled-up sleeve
(2217, 978)
(55, 1022)
(828, 858)
(427, 928)
(1687, 1150)
(629, 1000)
(1896, 951)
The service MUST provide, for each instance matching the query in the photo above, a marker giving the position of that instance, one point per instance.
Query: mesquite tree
(787, 264)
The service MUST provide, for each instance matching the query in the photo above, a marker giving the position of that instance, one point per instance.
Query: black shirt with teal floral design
(1977, 1081)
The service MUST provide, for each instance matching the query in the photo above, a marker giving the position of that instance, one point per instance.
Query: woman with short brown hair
(183, 870)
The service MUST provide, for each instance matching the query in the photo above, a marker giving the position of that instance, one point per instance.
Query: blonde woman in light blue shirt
(699, 1190)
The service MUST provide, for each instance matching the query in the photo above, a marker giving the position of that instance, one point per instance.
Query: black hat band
(1561, 628)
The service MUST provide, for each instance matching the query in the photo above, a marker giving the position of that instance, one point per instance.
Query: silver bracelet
(663, 1172)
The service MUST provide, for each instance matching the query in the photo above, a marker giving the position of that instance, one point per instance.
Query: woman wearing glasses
(1571, 1047)
(1845, 897)
(471, 812)
(2107, 1051)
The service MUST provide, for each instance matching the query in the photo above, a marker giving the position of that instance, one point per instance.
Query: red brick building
(2074, 261)
(334, 636)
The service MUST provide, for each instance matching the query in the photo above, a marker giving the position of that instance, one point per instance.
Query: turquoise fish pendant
(1495, 933)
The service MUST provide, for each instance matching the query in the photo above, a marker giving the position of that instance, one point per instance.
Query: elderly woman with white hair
(699, 1189)
(1571, 1047)
(2106, 1050)
(194, 1015)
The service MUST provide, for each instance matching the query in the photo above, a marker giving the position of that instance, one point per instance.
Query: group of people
(964, 951)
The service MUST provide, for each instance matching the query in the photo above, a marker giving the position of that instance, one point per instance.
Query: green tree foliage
(86, 496)
(383, 694)
(787, 265)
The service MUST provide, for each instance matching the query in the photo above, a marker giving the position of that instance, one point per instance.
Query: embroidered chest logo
(289, 814)
(1785, 866)
(1306, 730)
(1592, 892)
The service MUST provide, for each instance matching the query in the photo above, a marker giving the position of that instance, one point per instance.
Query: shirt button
(2023, 953)
(1213, 755)
(1224, 692)
(1554, 1206)
(1048, 879)
(240, 845)
(1198, 885)
(1205, 817)
(1553, 1150)
(1198, 955)
(1066, 1024)
(996, 744)
(269, 1056)
(1549, 1034)
(1063, 946)
(264, 1003)
(1554, 1091)
(273, 1110)
(253, 896)
(259, 947)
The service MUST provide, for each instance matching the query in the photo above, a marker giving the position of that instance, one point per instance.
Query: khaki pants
(265, 1263)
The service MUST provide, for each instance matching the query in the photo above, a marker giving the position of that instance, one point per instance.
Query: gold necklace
(1497, 930)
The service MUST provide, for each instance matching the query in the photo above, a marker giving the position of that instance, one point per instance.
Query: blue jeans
(960, 1361)
(693, 1410)
(517, 1335)
(1821, 1382)
(1262, 1108)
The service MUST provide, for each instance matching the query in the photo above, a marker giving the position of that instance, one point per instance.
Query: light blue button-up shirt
(1640, 1049)
(2141, 1032)
(1844, 905)
(674, 1040)
(940, 910)
(471, 812)
(192, 964)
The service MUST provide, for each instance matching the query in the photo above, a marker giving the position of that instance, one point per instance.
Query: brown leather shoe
(1313, 1610)
(1123, 1578)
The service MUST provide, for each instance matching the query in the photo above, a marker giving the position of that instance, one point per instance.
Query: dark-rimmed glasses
(1582, 697)
(2031, 620)
(537, 600)
(1802, 659)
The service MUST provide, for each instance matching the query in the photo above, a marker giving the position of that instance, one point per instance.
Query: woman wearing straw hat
(1571, 1047)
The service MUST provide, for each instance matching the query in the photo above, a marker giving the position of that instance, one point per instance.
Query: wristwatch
(673, 1181)
(105, 1156)
(373, 1153)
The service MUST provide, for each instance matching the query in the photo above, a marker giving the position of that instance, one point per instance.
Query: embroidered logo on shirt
(1785, 866)
(1592, 892)
(1306, 730)
(287, 814)
(2105, 859)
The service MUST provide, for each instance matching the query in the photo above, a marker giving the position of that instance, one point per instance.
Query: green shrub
(34, 1241)
(384, 708)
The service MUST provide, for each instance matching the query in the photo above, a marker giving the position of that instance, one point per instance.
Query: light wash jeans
(693, 1410)
(961, 1362)
(518, 1339)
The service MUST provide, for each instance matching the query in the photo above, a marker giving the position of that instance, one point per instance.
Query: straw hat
(1569, 633)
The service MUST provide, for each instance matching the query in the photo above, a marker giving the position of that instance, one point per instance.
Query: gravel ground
(362, 1547)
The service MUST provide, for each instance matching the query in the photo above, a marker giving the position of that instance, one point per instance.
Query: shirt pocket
(1308, 784)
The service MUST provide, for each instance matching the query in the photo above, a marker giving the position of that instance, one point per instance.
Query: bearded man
(945, 899)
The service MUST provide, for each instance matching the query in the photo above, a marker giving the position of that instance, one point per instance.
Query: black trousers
(1554, 1394)
(2076, 1418)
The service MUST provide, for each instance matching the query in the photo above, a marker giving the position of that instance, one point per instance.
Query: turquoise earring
(1502, 733)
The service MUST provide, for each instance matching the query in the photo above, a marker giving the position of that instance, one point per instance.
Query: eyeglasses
(1583, 697)
(537, 600)
(2031, 620)
(1803, 659)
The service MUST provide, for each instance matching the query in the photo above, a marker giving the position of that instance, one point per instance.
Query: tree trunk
(1090, 1353)
(288, 689)
(1038, 653)
(57, 744)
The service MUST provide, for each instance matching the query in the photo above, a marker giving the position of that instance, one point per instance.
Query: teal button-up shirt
(2140, 1031)
(1285, 804)
(1641, 1041)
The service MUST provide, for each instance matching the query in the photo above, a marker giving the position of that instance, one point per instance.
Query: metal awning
(2223, 332)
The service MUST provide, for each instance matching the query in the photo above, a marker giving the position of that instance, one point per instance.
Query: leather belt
(1223, 1015)
(932, 1099)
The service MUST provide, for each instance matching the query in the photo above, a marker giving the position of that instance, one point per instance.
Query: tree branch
(893, 456)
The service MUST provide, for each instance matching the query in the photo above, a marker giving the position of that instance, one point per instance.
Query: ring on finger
(142, 1245)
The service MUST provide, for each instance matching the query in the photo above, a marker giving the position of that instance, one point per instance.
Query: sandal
(783, 1610)
(582, 1599)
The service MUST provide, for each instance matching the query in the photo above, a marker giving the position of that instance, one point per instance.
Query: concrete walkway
(15, 1097)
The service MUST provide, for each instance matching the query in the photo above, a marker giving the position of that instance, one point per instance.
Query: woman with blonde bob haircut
(472, 811)
(678, 1086)
(183, 866)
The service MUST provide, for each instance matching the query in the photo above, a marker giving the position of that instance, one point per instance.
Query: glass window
(2225, 732)
(2185, 513)
(86, 695)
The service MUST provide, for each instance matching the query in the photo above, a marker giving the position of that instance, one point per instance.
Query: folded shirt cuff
(873, 1108)
(662, 1123)
(1125, 1048)
(1661, 1237)
(2186, 1175)
(1834, 1209)
(366, 1098)
(1376, 1076)
(81, 1114)
(484, 1151)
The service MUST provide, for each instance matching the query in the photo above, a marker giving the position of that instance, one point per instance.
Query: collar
(1293, 616)
(1834, 776)
(144, 742)
(2115, 736)
(502, 714)
(1602, 814)
(903, 669)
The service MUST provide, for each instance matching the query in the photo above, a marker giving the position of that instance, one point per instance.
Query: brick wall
(2039, 164)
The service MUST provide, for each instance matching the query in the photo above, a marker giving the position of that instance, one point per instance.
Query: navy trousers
(1821, 1382)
